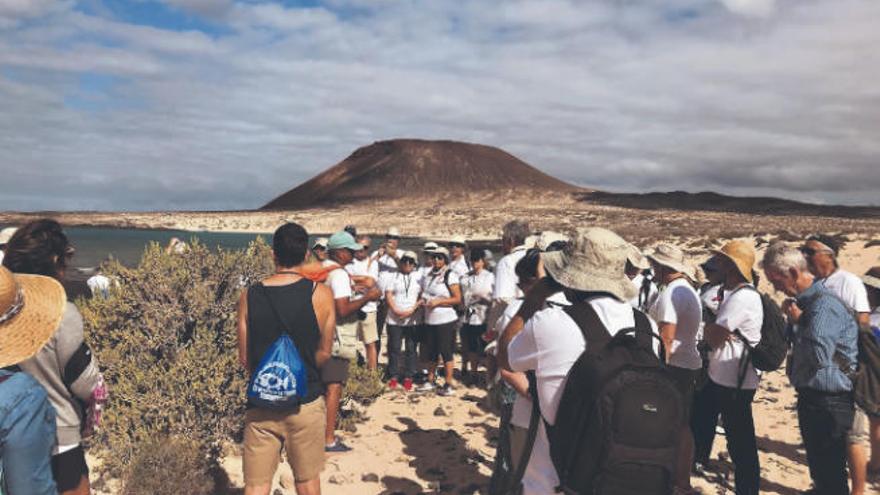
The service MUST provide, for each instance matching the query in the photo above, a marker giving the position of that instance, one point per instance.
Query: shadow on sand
(443, 460)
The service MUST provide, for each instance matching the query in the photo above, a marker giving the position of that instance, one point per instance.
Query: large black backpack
(771, 350)
(620, 415)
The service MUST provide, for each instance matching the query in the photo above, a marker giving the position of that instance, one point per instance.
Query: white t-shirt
(460, 266)
(476, 289)
(849, 288)
(550, 343)
(652, 292)
(338, 280)
(505, 275)
(434, 287)
(405, 289)
(364, 268)
(740, 310)
(679, 304)
(710, 299)
(386, 266)
(98, 284)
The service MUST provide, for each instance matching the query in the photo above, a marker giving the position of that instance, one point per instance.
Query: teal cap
(343, 240)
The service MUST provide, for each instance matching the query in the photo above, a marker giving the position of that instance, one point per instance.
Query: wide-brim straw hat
(742, 254)
(636, 258)
(31, 307)
(673, 258)
(594, 261)
(872, 278)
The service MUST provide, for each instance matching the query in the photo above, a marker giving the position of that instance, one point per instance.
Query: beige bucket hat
(872, 277)
(6, 234)
(593, 262)
(458, 239)
(672, 257)
(392, 232)
(442, 251)
(636, 258)
(430, 247)
(31, 307)
(742, 254)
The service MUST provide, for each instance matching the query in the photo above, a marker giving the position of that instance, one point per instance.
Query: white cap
(430, 246)
(321, 241)
(548, 237)
(458, 239)
(409, 254)
(7, 234)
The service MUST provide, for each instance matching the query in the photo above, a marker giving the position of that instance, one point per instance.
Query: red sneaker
(392, 384)
(407, 384)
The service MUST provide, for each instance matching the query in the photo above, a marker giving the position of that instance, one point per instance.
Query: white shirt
(404, 289)
(473, 288)
(550, 343)
(710, 298)
(364, 268)
(98, 284)
(434, 287)
(338, 280)
(460, 266)
(387, 266)
(652, 292)
(505, 275)
(740, 310)
(850, 288)
(679, 304)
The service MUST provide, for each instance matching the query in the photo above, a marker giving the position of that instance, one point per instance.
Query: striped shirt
(826, 327)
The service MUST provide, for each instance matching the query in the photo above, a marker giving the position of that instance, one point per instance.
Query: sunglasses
(438, 257)
(808, 251)
(456, 245)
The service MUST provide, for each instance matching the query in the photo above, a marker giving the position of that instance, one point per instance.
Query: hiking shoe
(337, 446)
(426, 387)
(446, 391)
(392, 384)
(407, 384)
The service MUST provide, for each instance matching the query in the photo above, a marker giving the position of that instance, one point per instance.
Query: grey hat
(594, 261)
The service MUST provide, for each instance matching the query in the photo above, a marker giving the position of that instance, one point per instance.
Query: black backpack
(771, 350)
(620, 415)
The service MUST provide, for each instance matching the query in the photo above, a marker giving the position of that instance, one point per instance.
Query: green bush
(166, 341)
(169, 466)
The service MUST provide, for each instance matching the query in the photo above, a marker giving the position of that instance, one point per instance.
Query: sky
(224, 104)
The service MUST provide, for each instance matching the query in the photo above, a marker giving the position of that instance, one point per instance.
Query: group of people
(535, 320)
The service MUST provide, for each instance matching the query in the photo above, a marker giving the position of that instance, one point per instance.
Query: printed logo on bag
(275, 379)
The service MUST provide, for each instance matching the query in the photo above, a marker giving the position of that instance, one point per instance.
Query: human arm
(325, 312)
(453, 300)
(667, 335)
(346, 307)
(517, 380)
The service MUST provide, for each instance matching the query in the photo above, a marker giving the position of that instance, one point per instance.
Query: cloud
(98, 112)
(13, 12)
(214, 9)
(751, 8)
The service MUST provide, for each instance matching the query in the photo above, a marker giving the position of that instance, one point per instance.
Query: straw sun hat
(31, 307)
(742, 254)
(593, 262)
(636, 258)
(672, 257)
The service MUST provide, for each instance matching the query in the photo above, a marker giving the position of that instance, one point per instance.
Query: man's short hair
(516, 232)
(780, 257)
(290, 243)
(835, 243)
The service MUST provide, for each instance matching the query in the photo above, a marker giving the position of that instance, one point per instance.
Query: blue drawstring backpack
(279, 380)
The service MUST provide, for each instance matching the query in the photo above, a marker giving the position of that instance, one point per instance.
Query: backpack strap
(275, 310)
(594, 332)
(514, 485)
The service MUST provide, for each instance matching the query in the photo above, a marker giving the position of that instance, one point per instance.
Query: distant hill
(395, 169)
(710, 201)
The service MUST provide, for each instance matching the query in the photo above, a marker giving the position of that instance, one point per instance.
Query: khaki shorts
(368, 332)
(300, 434)
(859, 432)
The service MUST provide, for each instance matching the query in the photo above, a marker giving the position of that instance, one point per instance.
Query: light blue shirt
(826, 327)
(27, 436)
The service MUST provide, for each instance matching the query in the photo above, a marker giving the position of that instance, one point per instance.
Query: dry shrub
(166, 340)
(169, 466)
(361, 389)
